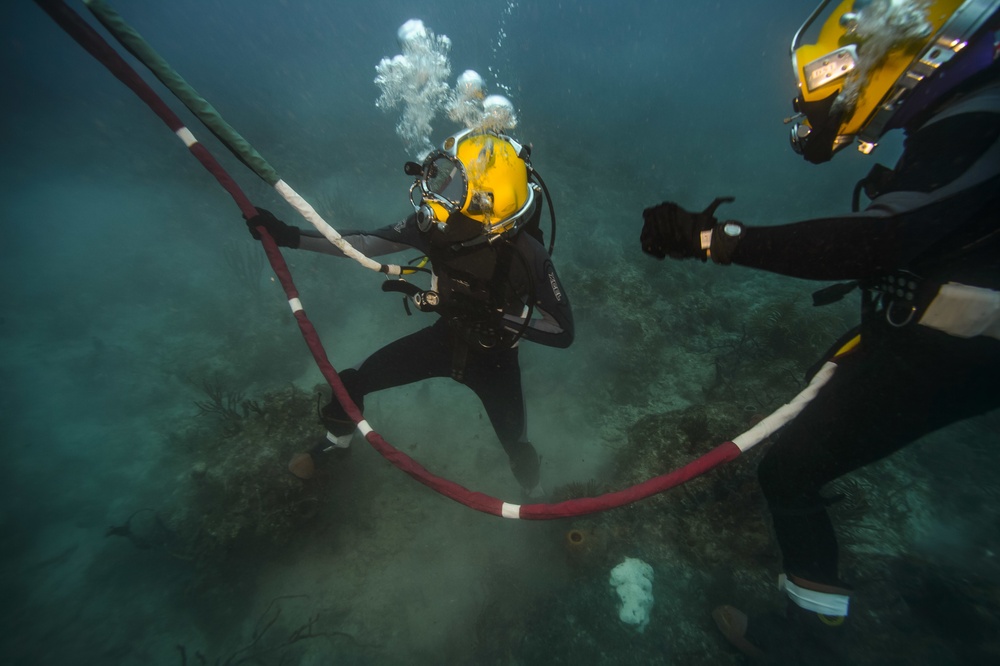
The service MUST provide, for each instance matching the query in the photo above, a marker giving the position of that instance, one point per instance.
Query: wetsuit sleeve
(397, 237)
(946, 182)
(552, 320)
(854, 247)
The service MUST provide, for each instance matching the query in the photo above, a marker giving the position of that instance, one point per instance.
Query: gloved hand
(670, 230)
(283, 234)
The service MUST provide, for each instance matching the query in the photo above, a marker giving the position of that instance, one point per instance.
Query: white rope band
(364, 428)
(185, 135)
(786, 412)
(306, 210)
(510, 511)
(295, 304)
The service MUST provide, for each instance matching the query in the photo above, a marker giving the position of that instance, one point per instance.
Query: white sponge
(633, 581)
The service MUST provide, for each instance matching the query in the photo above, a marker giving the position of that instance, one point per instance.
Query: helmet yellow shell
(497, 178)
(858, 64)
(879, 80)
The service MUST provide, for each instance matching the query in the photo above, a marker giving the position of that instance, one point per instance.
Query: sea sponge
(633, 581)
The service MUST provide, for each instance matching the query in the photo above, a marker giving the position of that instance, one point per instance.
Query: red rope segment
(721, 454)
(453, 491)
(94, 44)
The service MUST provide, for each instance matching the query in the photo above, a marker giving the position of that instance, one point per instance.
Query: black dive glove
(669, 230)
(284, 235)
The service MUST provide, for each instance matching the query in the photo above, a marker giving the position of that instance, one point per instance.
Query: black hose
(552, 210)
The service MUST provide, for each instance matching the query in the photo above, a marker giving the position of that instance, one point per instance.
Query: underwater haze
(155, 382)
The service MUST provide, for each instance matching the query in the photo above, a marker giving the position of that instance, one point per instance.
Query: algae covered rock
(237, 493)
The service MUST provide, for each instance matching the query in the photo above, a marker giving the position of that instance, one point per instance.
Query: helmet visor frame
(442, 181)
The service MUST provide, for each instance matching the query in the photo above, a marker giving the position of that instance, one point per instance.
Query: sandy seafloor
(117, 297)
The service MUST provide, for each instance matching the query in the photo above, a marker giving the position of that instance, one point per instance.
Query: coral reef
(238, 493)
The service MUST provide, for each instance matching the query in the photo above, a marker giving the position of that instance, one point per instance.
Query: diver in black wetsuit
(925, 252)
(493, 283)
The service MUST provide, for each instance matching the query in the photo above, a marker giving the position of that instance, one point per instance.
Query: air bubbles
(470, 106)
(411, 33)
(498, 114)
(417, 81)
(470, 85)
(466, 105)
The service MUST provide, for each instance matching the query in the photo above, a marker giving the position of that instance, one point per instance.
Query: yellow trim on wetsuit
(851, 344)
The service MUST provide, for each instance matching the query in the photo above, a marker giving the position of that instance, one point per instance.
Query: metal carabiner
(889, 318)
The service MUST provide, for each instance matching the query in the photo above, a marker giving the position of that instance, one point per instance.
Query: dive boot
(803, 634)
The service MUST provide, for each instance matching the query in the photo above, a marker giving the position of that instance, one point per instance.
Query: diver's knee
(785, 484)
(773, 480)
(785, 492)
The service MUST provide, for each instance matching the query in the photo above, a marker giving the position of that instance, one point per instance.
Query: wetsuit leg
(494, 377)
(496, 380)
(421, 355)
(881, 398)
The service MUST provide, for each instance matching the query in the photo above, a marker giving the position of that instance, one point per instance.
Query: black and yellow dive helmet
(864, 67)
(479, 176)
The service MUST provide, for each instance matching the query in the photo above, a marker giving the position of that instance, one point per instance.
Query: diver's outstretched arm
(934, 198)
(389, 239)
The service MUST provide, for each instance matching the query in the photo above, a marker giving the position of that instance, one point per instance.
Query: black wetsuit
(485, 291)
(934, 219)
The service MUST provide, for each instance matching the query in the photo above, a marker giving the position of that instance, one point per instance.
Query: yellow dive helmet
(481, 175)
(867, 66)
